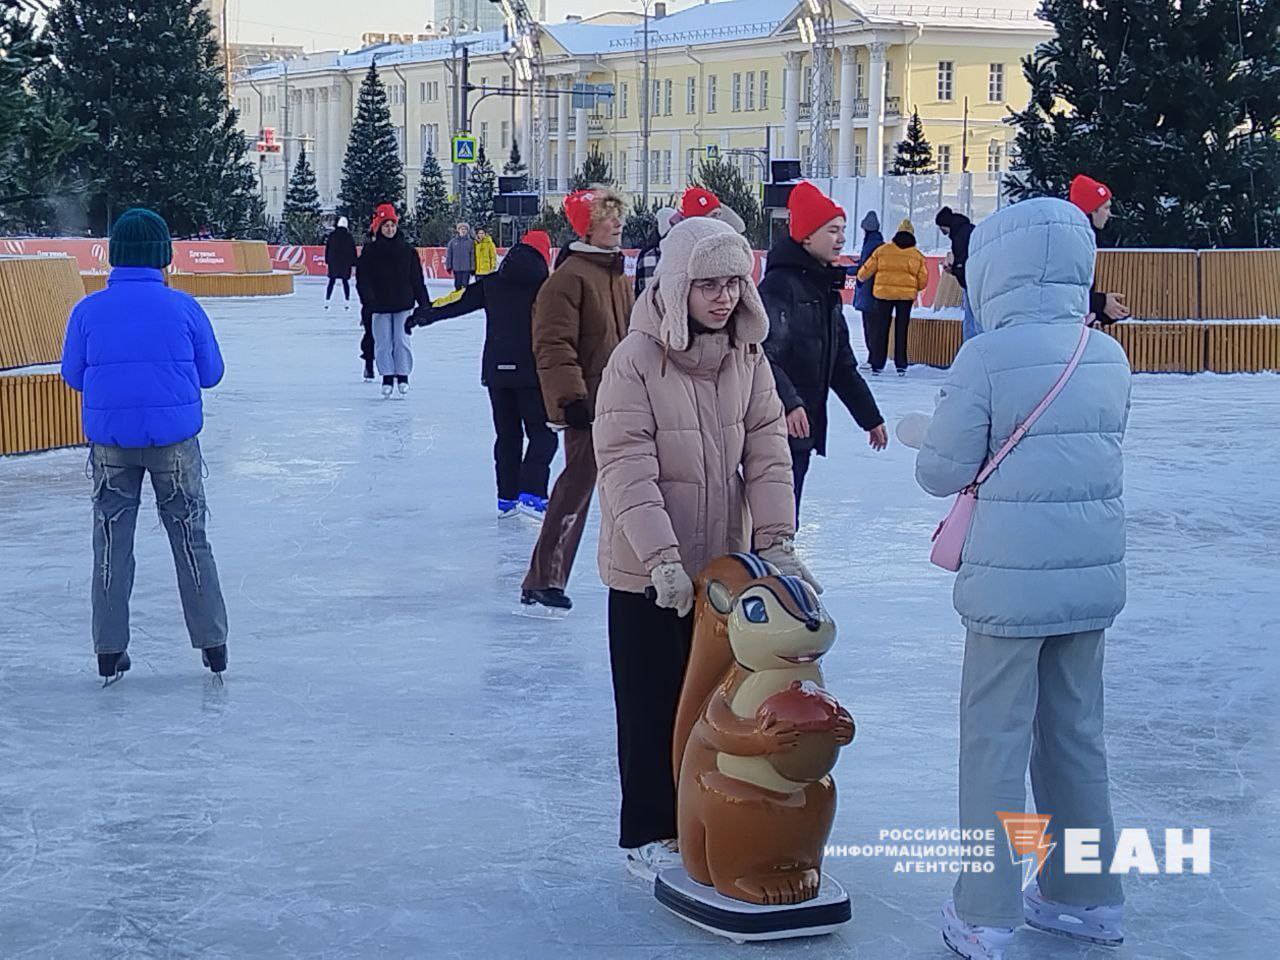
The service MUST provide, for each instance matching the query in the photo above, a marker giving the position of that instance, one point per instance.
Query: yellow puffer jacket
(899, 268)
(486, 256)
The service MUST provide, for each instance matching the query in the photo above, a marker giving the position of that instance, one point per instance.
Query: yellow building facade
(736, 74)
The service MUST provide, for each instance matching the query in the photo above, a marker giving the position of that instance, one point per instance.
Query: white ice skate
(1103, 925)
(387, 390)
(404, 389)
(648, 861)
(974, 943)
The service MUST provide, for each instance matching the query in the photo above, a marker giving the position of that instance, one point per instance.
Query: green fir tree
(914, 154)
(595, 170)
(482, 185)
(146, 78)
(301, 215)
(1174, 105)
(515, 163)
(433, 214)
(371, 172)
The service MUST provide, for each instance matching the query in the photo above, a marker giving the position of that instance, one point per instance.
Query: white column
(791, 107)
(844, 142)
(580, 133)
(562, 134)
(875, 111)
(524, 133)
(337, 143)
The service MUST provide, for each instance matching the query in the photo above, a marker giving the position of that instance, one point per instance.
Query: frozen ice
(399, 767)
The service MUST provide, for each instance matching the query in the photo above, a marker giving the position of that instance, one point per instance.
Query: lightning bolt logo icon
(1030, 842)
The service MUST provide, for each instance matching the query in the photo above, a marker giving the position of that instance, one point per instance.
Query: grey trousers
(391, 344)
(1040, 700)
(117, 492)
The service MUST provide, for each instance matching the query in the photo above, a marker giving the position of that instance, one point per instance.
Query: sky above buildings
(338, 24)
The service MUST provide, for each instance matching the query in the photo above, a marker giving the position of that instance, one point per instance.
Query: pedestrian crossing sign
(713, 151)
(464, 149)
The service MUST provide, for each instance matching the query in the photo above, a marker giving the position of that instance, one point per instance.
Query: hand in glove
(782, 554)
(674, 588)
(576, 415)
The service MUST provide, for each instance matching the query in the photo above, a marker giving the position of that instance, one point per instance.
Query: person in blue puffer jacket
(140, 353)
(1042, 574)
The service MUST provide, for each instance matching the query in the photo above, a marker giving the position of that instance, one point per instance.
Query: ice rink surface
(399, 767)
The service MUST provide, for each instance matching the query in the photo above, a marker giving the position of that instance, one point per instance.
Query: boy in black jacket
(509, 371)
(808, 341)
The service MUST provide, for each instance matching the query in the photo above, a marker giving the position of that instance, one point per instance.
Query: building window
(506, 134)
(995, 83)
(655, 162)
(484, 135)
(946, 80)
(691, 95)
(655, 104)
(666, 167)
(735, 98)
(888, 79)
(995, 152)
(423, 144)
(422, 92)
(859, 80)
(667, 87)
(944, 158)
(622, 166)
(712, 83)
(859, 163)
(692, 158)
(807, 90)
(751, 90)
(623, 101)
(764, 89)
(400, 140)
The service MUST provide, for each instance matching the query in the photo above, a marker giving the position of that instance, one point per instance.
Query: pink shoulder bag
(949, 538)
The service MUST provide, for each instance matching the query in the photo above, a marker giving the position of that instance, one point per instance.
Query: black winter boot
(112, 666)
(215, 658)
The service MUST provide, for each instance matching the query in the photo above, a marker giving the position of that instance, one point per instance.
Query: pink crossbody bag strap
(948, 540)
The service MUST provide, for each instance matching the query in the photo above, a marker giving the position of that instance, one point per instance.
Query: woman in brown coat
(691, 443)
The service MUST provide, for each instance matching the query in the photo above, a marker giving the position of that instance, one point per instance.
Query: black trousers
(648, 651)
(518, 414)
(868, 329)
(346, 288)
(366, 341)
(884, 319)
(461, 278)
(799, 469)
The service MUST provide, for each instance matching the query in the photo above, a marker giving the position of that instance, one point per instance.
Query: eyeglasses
(712, 290)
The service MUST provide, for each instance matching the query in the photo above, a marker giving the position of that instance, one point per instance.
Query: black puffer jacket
(507, 300)
(808, 342)
(961, 228)
(340, 253)
(389, 276)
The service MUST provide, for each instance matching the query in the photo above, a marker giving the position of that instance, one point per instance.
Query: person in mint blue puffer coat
(1042, 573)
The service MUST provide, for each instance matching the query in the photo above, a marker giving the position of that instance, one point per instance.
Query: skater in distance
(389, 281)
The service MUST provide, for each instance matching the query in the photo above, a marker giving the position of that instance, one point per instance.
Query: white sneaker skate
(1103, 924)
(974, 943)
(404, 389)
(648, 861)
(387, 390)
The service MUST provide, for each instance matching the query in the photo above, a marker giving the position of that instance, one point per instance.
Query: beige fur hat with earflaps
(702, 248)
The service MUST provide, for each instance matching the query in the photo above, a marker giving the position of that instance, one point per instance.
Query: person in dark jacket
(958, 228)
(340, 260)
(460, 257)
(141, 353)
(1094, 199)
(808, 342)
(389, 281)
(509, 371)
(864, 298)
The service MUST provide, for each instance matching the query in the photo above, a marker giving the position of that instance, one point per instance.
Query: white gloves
(673, 586)
(912, 429)
(782, 554)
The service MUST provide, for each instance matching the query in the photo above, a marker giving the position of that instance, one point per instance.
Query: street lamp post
(645, 94)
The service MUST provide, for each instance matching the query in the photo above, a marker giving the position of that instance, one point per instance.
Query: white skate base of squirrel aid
(742, 922)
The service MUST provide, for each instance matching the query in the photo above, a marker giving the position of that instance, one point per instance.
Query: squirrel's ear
(721, 597)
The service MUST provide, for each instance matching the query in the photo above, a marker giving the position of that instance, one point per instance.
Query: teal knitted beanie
(140, 238)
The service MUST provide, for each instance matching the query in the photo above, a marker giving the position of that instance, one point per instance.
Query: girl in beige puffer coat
(691, 443)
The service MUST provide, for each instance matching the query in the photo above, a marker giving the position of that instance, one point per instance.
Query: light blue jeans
(1037, 700)
(117, 492)
(970, 328)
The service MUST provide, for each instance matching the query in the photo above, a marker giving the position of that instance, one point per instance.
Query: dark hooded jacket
(340, 253)
(961, 228)
(389, 276)
(808, 342)
(507, 300)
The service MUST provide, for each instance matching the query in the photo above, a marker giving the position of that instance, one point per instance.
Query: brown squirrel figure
(755, 799)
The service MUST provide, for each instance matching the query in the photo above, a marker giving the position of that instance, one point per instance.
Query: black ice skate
(549, 602)
(112, 666)
(215, 658)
